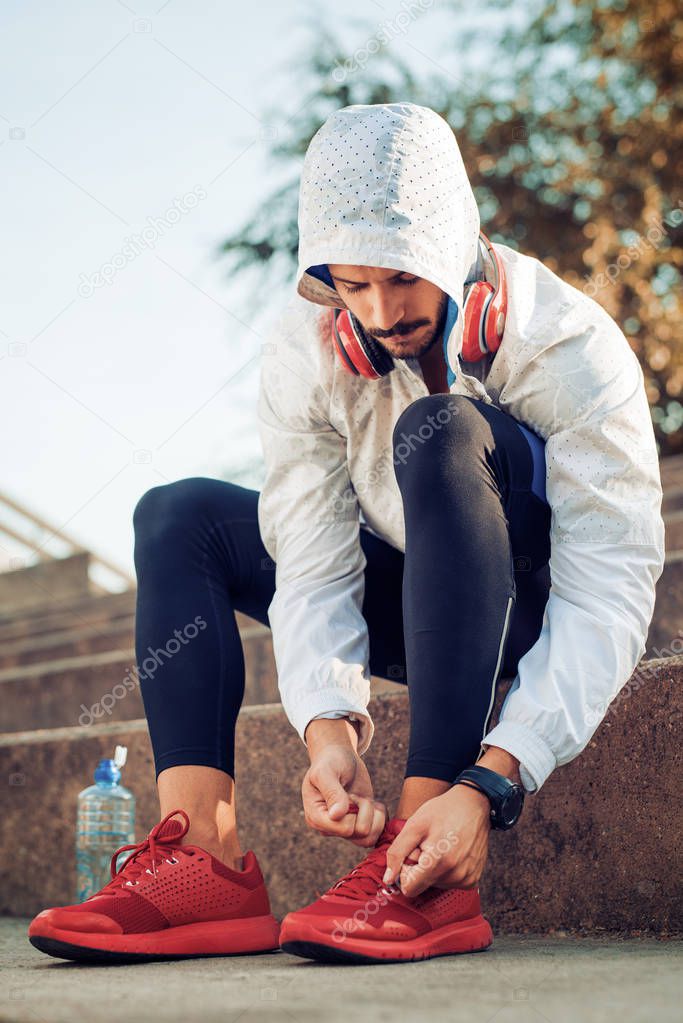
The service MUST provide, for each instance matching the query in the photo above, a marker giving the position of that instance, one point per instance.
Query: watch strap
(497, 788)
(488, 781)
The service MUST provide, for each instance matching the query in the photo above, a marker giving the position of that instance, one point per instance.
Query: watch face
(511, 807)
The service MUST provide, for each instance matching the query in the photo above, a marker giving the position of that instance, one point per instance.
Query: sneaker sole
(304, 940)
(247, 936)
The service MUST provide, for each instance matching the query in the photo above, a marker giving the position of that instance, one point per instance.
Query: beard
(413, 350)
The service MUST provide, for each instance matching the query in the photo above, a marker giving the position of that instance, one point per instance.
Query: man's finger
(417, 877)
(378, 822)
(364, 817)
(413, 880)
(320, 818)
(406, 842)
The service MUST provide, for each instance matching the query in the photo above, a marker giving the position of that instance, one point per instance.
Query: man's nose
(386, 311)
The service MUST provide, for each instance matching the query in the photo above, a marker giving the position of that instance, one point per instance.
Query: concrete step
(51, 646)
(116, 635)
(64, 614)
(596, 849)
(80, 690)
(94, 613)
(55, 578)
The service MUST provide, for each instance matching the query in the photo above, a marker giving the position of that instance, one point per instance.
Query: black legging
(448, 618)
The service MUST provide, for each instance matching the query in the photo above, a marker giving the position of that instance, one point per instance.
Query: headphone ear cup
(360, 354)
(340, 333)
(382, 362)
(485, 310)
(474, 314)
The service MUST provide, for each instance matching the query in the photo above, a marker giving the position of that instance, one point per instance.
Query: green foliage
(571, 134)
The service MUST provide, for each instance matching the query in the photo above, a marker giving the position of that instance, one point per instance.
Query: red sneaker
(167, 901)
(359, 920)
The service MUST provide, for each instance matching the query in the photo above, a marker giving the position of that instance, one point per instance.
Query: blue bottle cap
(107, 773)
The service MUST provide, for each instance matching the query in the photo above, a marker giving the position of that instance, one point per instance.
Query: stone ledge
(66, 578)
(74, 612)
(66, 613)
(52, 693)
(596, 849)
(52, 646)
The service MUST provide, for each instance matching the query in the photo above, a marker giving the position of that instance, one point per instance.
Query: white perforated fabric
(384, 185)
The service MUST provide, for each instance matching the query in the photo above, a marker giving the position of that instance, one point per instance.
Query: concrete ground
(520, 978)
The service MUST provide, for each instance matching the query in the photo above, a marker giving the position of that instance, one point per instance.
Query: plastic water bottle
(105, 821)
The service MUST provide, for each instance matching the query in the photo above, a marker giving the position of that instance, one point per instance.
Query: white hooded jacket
(385, 186)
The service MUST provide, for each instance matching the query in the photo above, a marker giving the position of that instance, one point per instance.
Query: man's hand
(449, 836)
(337, 778)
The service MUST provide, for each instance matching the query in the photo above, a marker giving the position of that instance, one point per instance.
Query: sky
(133, 139)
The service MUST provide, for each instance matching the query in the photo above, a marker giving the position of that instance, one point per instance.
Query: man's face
(404, 313)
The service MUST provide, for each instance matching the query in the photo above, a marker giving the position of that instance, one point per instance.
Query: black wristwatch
(506, 797)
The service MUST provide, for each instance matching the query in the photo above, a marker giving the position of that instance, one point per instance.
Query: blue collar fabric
(451, 317)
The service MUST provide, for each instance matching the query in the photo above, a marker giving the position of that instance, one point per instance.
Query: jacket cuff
(331, 700)
(536, 759)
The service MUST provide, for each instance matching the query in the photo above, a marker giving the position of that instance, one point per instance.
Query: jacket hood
(384, 185)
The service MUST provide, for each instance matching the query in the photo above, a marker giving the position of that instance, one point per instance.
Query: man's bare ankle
(224, 848)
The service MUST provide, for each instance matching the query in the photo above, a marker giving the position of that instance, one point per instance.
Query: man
(432, 519)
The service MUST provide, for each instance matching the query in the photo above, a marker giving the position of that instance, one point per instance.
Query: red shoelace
(152, 849)
(365, 879)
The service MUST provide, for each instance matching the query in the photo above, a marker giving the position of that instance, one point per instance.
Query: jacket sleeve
(585, 395)
(309, 523)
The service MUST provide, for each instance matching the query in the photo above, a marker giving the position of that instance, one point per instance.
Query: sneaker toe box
(66, 918)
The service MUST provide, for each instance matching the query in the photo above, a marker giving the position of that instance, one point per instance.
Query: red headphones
(484, 310)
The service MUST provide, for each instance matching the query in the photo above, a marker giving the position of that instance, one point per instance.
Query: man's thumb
(337, 800)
